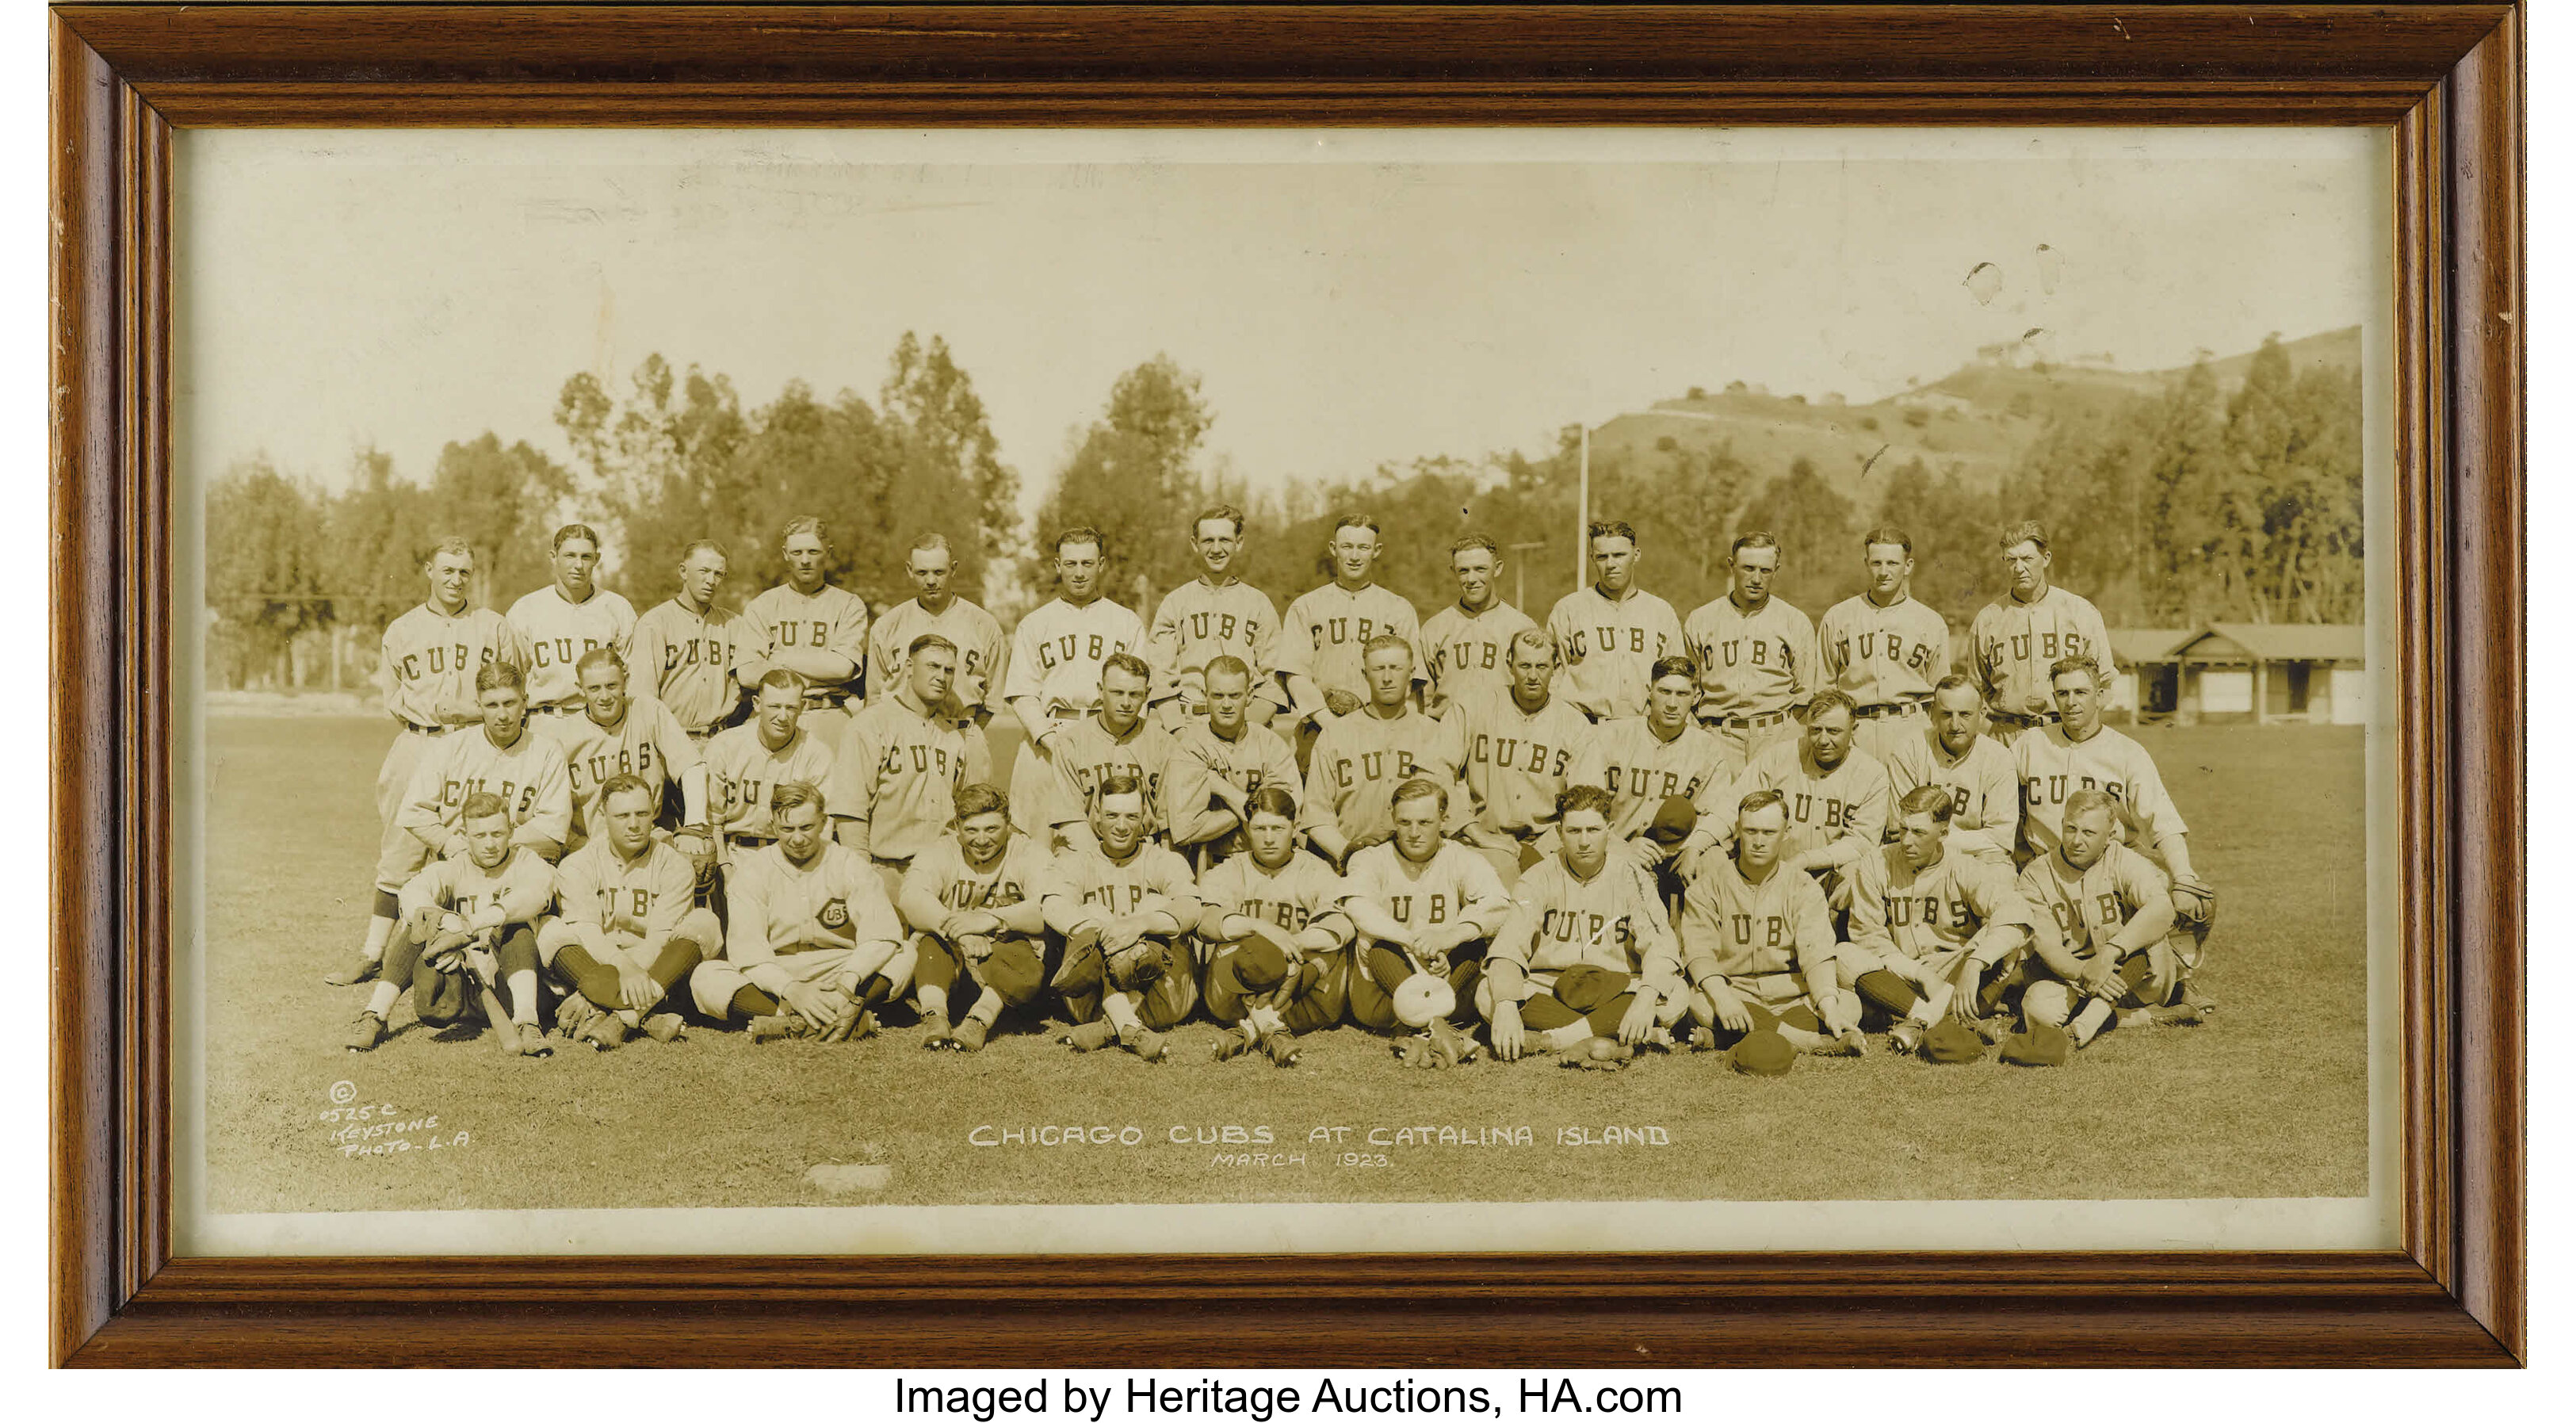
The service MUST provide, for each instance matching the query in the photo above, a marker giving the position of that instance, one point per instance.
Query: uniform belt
(749, 837)
(1877, 710)
(440, 729)
(1765, 719)
(2023, 718)
(826, 699)
(569, 708)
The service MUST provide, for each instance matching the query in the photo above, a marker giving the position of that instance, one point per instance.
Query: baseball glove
(2195, 904)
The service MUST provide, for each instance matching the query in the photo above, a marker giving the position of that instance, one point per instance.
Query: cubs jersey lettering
(942, 881)
(645, 897)
(1985, 793)
(977, 633)
(1930, 915)
(742, 771)
(1847, 804)
(2121, 902)
(557, 633)
(1301, 894)
(1201, 758)
(895, 779)
(1087, 887)
(648, 742)
(1456, 884)
(1610, 648)
(1089, 753)
(1360, 759)
(430, 661)
(1749, 930)
(1468, 655)
(1515, 761)
(2015, 642)
(515, 892)
(1880, 654)
(691, 662)
(1641, 770)
(528, 775)
(1327, 627)
(1199, 622)
(775, 906)
(2053, 766)
(830, 619)
(1613, 920)
(1056, 654)
(1752, 664)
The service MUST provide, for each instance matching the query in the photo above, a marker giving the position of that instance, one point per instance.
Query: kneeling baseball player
(1122, 907)
(1274, 930)
(1938, 930)
(2115, 910)
(1758, 944)
(1425, 908)
(464, 933)
(972, 900)
(1586, 965)
(815, 945)
(627, 929)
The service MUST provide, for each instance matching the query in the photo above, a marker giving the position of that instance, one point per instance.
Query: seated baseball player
(815, 945)
(465, 936)
(1647, 761)
(1218, 761)
(634, 735)
(1515, 753)
(1275, 933)
(1936, 928)
(1586, 964)
(505, 756)
(1425, 908)
(1360, 759)
(972, 900)
(627, 929)
(2119, 947)
(896, 772)
(1758, 945)
(2078, 753)
(1836, 796)
(1121, 905)
(1116, 740)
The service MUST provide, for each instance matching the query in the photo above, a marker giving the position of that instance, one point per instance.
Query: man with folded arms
(1586, 964)
(2119, 946)
(1758, 944)
(815, 945)
(972, 899)
(1122, 905)
(627, 930)
(1936, 930)
(1275, 931)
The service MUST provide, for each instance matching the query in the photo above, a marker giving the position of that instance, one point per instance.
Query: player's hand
(1963, 992)
(1341, 703)
(1731, 1013)
(636, 988)
(845, 1019)
(1838, 892)
(695, 842)
(1638, 1021)
(1119, 933)
(482, 964)
(2194, 901)
(810, 1003)
(1507, 1036)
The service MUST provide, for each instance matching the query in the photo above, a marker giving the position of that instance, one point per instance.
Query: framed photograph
(1225, 685)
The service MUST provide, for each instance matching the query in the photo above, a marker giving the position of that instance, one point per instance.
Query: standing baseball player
(1424, 906)
(2117, 947)
(746, 763)
(1586, 964)
(627, 929)
(816, 945)
(617, 734)
(896, 774)
(426, 678)
(1361, 759)
(1117, 740)
(567, 618)
(1516, 753)
(1465, 643)
(1647, 761)
(2017, 638)
(1123, 907)
(1758, 944)
(1757, 655)
(1613, 632)
(935, 608)
(1955, 754)
(694, 655)
(1275, 932)
(1936, 932)
(1216, 765)
(1836, 795)
(1882, 648)
(1057, 653)
(1214, 615)
(1329, 629)
(815, 629)
(972, 900)
(465, 920)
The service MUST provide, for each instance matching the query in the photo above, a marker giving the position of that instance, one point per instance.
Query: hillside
(1978, 419)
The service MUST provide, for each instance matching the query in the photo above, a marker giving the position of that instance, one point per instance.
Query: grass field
(2270, 1100)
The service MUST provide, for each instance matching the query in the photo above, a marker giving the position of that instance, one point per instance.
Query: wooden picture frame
(2446, 78)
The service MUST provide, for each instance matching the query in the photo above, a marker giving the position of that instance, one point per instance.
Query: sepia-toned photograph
(864, 691)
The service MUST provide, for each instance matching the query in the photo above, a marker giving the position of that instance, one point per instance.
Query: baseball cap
(2044, 1045)
(1014, 970)
(1951, 1041)
(1255, 966)
(442, 996)
(1422, 998)
(1674, 820)
(1763, 1053)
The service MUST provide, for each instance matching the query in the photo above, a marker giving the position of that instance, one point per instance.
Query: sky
(1347, 297)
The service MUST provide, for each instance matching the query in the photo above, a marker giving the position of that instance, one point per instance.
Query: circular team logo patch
(835, 914)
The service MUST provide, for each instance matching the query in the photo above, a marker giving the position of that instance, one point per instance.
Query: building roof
(2274, 642)
(2131, 646)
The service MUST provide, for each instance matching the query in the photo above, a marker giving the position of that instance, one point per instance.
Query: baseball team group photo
(1618, 766)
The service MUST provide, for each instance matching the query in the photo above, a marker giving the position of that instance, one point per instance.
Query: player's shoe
(2185, 1014)
(771, 1027)
(532, 1041)
(1450, 1047)
(1847, 1043)
(1089, 1037)
(1233, 1042)
(1146, 1043)
(970, 1035)
(1906, 1037)
(665, 1027)
(1993, 1028)
(364, 970)
(365, 1033)
(936, 1032)
(1281, 1047)
(1597, 1054)
(605, 1032)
